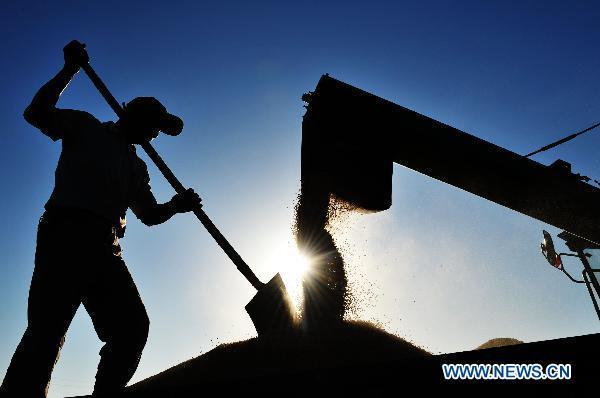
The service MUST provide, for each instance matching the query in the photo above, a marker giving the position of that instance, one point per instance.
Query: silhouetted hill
(499, 342)
(273, 360)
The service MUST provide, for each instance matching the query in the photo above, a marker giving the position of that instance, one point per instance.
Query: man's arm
(149, 212)
(42, 109)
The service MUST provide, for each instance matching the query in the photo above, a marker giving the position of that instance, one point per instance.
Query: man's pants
(78, 260)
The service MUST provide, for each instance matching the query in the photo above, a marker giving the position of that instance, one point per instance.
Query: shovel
(270, 309)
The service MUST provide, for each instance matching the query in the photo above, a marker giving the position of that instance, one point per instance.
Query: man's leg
(52, 303)
(120, 320)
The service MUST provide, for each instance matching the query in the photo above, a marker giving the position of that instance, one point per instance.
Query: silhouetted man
(78, 257)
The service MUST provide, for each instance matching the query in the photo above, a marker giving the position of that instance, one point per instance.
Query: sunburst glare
(292, 265)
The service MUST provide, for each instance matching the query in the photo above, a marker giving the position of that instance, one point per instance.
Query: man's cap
(151, 112)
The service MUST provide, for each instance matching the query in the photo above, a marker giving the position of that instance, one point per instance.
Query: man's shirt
(98, 169)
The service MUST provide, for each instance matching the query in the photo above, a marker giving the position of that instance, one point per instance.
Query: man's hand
(41, 112)
(75, 55)
(186, 201)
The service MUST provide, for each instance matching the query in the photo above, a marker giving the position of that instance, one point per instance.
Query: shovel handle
(177, 185)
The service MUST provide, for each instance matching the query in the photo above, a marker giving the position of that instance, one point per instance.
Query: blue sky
(442, 268)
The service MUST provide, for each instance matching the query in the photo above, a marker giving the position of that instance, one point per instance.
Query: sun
(292, 265)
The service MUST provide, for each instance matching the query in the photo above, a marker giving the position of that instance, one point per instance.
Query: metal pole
(589, 271)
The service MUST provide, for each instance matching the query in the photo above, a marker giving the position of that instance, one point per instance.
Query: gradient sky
(442, 268)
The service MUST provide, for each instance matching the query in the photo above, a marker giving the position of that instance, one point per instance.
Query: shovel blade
(271, 309)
